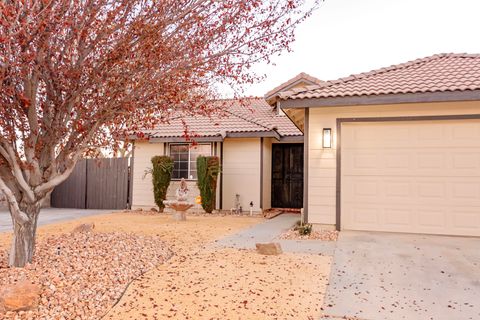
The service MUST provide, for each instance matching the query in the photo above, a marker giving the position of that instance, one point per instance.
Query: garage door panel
(398, 217)
(428, 190)
(365, 215)
(462, 160)
(430, 220)
(413, 190)
(412, 162)
(387, 219)
(467, 218)
(395, 160)
(365, 188)
(361, 190)
(431, 160)
(421, 177)
(368, 137)
(465, 190)
(429, 136)
(468, 134)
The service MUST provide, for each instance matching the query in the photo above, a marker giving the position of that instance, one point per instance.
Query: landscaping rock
(323, 235)
(82, 275)
(21, 296)
(154, 209)
(84, 227)
(271, 249)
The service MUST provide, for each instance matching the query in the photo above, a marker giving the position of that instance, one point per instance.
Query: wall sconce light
(327, 138)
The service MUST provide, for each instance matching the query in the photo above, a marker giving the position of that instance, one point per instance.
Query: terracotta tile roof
(253, 115)
(437, 73)
(301, 77)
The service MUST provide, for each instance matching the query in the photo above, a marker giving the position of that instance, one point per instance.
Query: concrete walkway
(51, 215)
(389, 276)
(269, 231)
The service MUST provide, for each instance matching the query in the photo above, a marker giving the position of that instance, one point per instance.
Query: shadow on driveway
(404, 276)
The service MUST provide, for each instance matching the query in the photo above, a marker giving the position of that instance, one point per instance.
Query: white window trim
(189, 155)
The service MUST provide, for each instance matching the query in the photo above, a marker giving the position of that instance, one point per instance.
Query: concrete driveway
(50, 215)
(403, 276)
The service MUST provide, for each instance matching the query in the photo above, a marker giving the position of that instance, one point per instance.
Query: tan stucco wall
(267, 174)
(217, 152)
(241, 172)
(192, 186)
(142, 184)
(322, 162)
(142, 194)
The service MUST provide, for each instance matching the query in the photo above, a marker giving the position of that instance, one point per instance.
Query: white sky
(345, 37)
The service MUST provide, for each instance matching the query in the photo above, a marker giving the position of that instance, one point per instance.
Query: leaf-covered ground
(82, 275)
(229, 284)
(199, 282)
(323, 235)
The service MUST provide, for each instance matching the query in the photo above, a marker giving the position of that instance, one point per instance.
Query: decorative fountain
(181, 205)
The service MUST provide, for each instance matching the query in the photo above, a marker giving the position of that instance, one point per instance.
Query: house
(260, 149)
(396, 149)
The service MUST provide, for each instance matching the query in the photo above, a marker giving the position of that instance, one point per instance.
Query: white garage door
(415, 176)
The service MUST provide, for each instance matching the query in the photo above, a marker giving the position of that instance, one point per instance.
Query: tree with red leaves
(76, 75)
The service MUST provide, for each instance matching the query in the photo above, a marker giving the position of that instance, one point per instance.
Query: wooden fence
(96, 184)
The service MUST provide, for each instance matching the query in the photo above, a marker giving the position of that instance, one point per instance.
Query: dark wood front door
(287, 175)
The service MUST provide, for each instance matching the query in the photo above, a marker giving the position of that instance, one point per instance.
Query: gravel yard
(82, 275)
(324, 235)
(233, 284)
(198, 282)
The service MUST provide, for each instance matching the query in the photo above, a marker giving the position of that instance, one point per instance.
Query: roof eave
(219, 138)
(424, 97)
(184, 140)
(292, 139)
(254, 134)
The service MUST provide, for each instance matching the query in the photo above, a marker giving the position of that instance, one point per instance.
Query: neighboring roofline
(301, 77)
(471, 95)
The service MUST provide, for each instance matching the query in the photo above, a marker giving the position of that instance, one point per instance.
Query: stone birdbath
(181, 205)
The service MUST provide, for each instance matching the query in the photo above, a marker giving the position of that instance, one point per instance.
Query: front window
(185, 159)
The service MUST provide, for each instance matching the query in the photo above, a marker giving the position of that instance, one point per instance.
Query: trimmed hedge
(208, 169)
(162, 167)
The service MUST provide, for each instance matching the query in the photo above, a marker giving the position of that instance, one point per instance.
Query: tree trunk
(24, 233)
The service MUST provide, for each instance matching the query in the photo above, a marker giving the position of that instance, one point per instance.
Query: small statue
(182, 191)
(181, 205)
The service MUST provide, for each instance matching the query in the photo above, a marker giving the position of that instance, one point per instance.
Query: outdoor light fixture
(327, 138)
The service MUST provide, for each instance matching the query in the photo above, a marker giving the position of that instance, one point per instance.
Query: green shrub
(303, 229)
(208, 169)
(162, 167)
